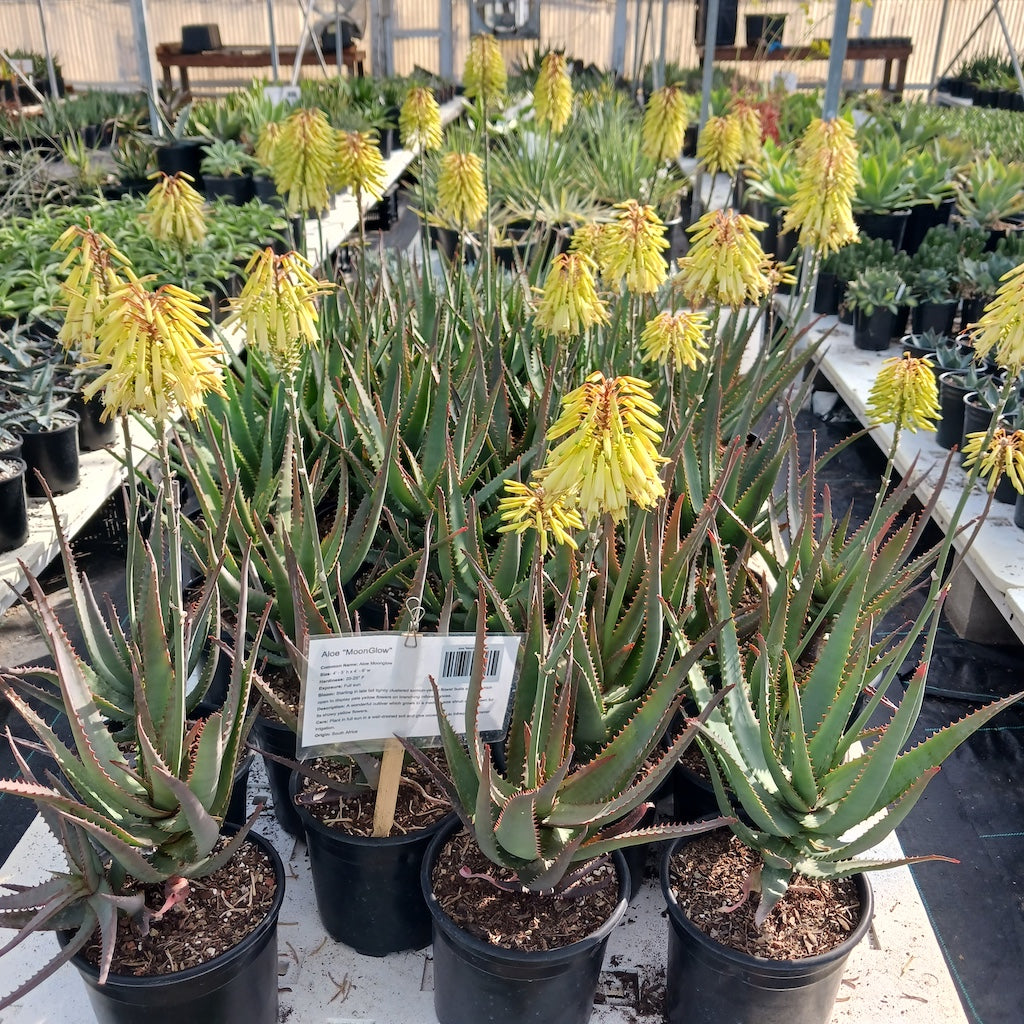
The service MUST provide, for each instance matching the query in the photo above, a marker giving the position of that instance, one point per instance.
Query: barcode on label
(457, 664)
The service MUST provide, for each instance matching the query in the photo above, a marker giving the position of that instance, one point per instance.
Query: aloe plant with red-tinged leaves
(151, 808)
(789, 725)
(551, 809)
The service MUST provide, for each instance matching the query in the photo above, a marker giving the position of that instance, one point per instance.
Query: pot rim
(519, 956)
(311, 823)
(745, 960)
(269, 923)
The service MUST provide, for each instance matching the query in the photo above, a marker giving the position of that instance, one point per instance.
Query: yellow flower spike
(749, 122)
(93, 264)
(530, 506)
(155, 355)
(303, 161)
(358, 164)
(827, 180)
(609, 452)
(174, 211)
(269, 136)
(631, 247)
(720, 145)
(586, 240)
(905, 393)
(1000, 329)
(461, 195)
(277, 307)
(1004, 454)
(676, 338)
(666, 117)
(569, 302)
(552, 95)
(419, 120)
(726, 263)
(484, 76)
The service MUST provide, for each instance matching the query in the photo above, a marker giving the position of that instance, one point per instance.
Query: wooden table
(170, 56)
(895, 53)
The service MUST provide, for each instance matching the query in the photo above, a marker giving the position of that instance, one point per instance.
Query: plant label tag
(282, 93)
(361, 689)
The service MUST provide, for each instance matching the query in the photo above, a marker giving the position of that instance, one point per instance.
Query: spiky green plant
(151, 808)
(554, 807)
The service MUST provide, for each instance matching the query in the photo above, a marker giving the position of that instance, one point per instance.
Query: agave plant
(151, 808)
(551, 810)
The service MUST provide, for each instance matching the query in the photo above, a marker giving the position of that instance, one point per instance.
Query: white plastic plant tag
(282, 93)
(362, 689)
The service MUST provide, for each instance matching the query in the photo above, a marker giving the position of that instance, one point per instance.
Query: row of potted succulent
(456, 438)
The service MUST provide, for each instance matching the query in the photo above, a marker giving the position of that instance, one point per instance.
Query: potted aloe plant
(227, 170)
(875, 295)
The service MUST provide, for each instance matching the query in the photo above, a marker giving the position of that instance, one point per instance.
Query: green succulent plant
(991, 193)
(552, 809)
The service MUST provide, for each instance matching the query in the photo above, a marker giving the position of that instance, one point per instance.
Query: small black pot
(934, 316)
(950, 431)
(13, 507)
(889, 225)
(266, 191)
(367, 889)
(54, 454)
(873, 333)
(453, 244)
(971, 309)
(240, 985)
(710, 983)
(94, 433)
(1018, 512)
(182, 156)
(922, 218)
(237, 189)
(277, 738)
(475, 981)
(236, 813)
(826, 294)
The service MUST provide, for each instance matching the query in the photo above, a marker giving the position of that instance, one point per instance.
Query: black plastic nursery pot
(277, 738)
(13, 504)
(266, 191)
(934, 316)
(923, 217)
(182, 156)
(54, 454)
(475, 981)
(237, 188)
(873, 333)
(237, 987)
(237, 806)
(950, 431)
(889, 225)
(453, 244)
(1018, 512)
(826, 294)
(94, 433)
(368, 889)
(709, 983)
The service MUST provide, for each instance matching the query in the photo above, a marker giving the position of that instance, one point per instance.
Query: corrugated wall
(94, 41)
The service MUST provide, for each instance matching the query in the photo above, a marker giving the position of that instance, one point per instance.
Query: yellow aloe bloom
(631, 247)
(530, 506)
(664, 125)
(827, 179)
(570, 303)
(174, 211)
(303, 161)
(726, 263)
(609, 454)
(358, 164)
(461, 196)
(749, 121)
(1004, 454)
(484, 76)
(552, 95)
(269, 136)
(419, 120)
(586, 240)
(677, 338)
(1000, 330)
(905, 393)
(93, 265)
(720, 145)
(156, 356)
(277, 307)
